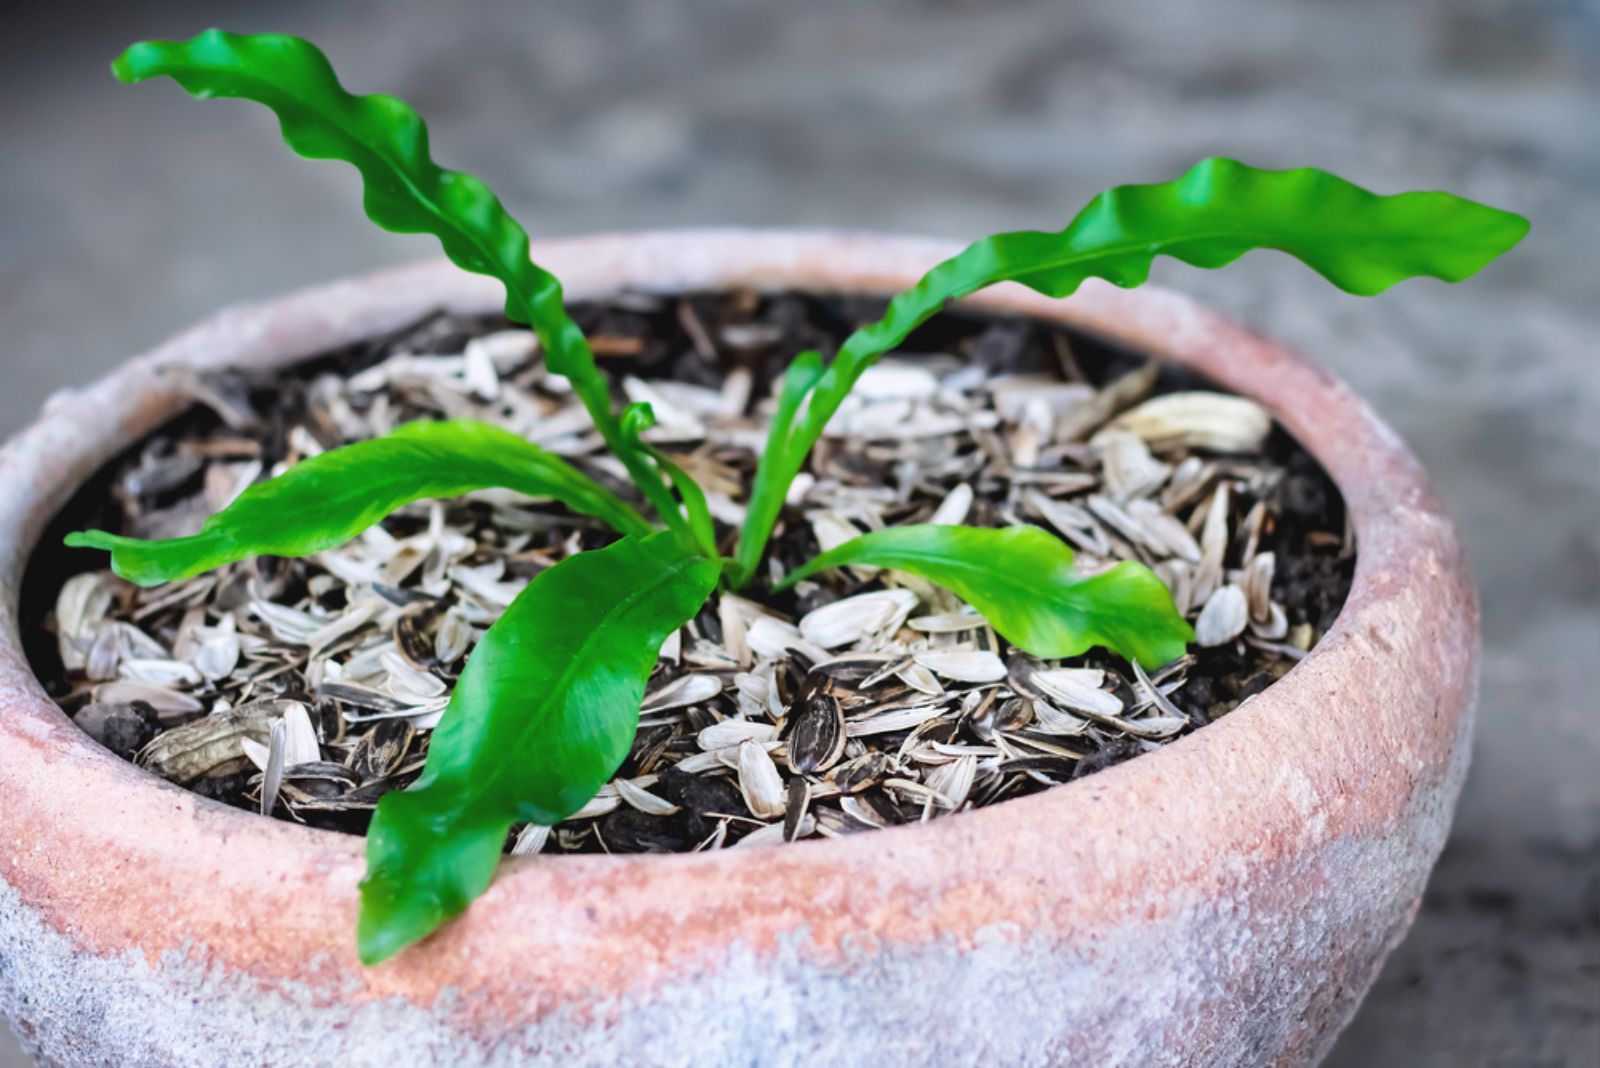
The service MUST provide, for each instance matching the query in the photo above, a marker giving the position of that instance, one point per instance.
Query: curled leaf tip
(404, 190)
(128, 68)
(637, 418)
(91, 539)
(144, 563)
(336, 495)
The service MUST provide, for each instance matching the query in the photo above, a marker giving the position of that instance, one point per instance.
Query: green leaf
(1022, 580)
(636, 419)
(770, 487)
(543, 714)
(1360, 241)
(405, 191)
(328, 499)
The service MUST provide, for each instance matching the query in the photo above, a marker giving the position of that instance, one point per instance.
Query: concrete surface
(126, 213)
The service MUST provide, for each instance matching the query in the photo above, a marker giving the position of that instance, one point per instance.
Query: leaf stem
(567, 352)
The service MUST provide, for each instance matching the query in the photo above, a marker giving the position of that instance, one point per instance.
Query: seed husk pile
(306, 689)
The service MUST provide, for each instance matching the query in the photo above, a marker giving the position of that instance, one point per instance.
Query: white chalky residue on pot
(1198, 987)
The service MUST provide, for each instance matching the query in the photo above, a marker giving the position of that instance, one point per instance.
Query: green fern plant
(547, 706)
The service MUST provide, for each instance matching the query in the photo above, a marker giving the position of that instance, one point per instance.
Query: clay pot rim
(1407, 558)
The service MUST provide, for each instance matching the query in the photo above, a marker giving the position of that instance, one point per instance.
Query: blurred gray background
(127, 213)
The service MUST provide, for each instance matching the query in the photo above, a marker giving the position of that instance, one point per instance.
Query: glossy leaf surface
(777, 467)
(1022, 580)
(542, 716)
(1360, 241)
(636, 419)
(404, 190)
(326, 500)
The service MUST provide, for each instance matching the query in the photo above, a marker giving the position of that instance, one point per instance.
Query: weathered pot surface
(1225, 900)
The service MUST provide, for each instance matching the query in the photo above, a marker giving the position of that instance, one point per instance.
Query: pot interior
(979, 407)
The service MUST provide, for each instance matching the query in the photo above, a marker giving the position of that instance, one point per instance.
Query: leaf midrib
(564, 681)
(1012, 585)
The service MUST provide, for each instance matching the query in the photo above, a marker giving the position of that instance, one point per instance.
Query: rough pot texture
(1225, 900)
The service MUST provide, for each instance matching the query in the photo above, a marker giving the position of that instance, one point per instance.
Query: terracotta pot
(1226, 900)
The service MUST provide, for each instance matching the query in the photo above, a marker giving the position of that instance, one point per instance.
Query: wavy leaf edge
(1034, 614)
(464, 455)
(461, 811)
